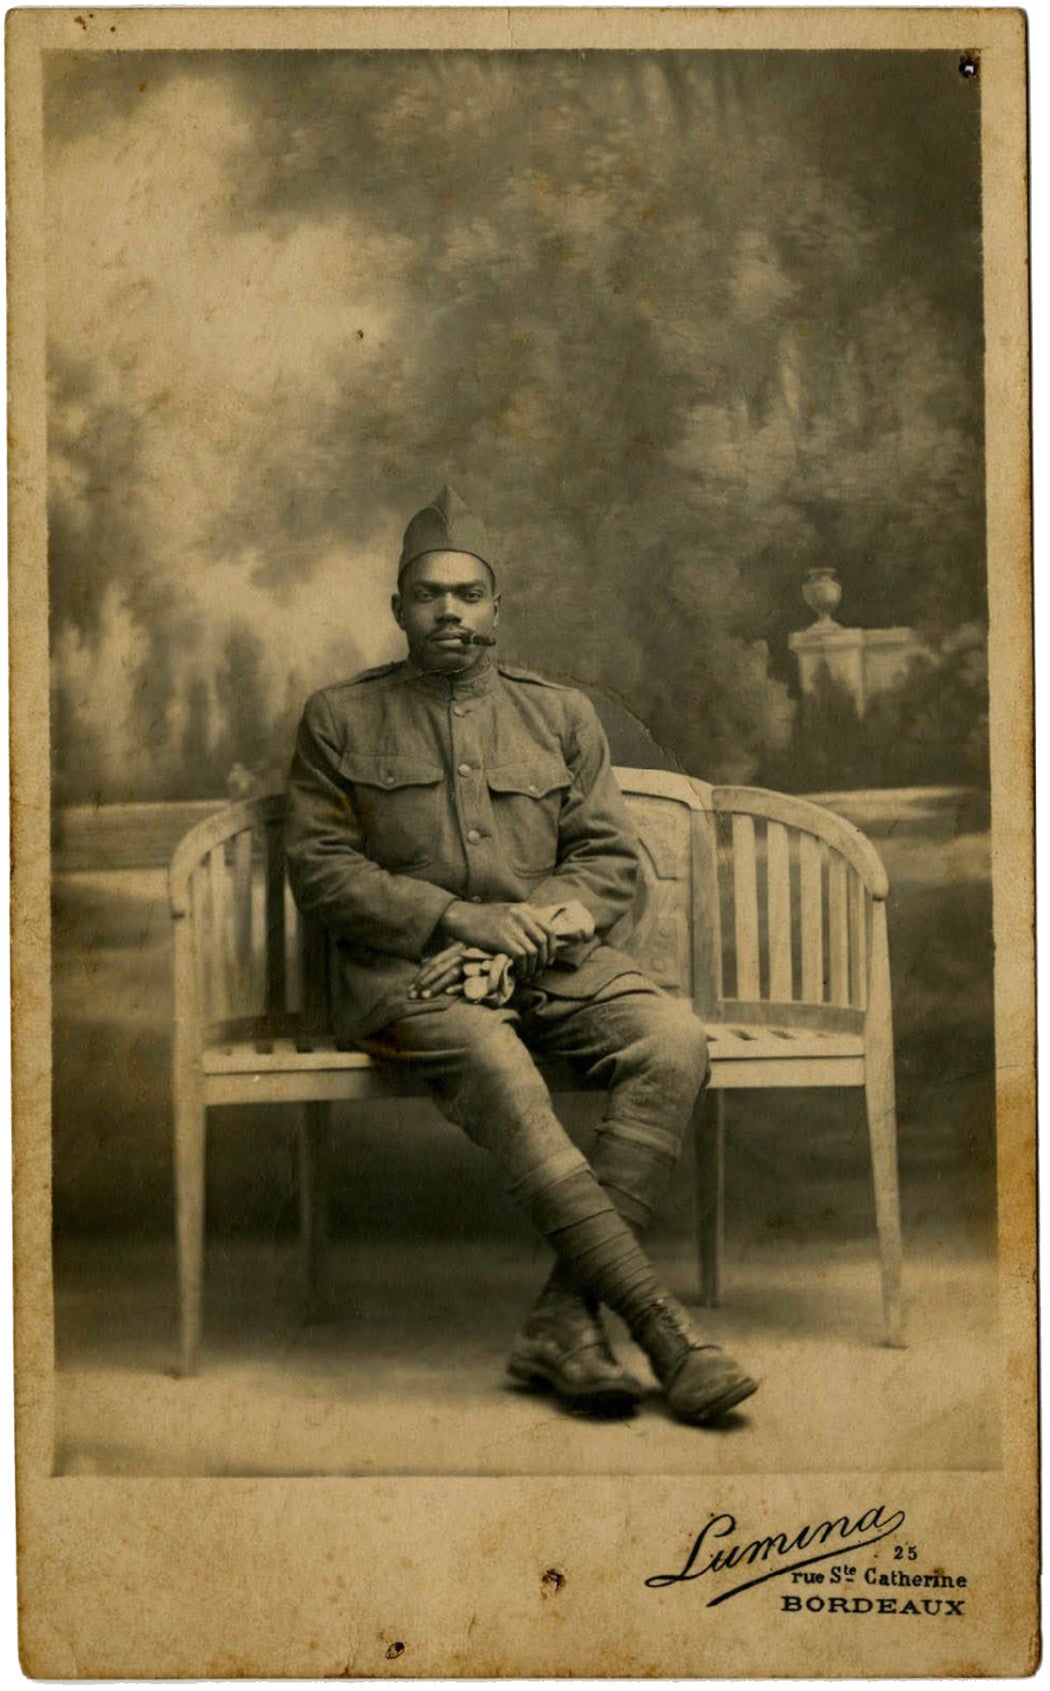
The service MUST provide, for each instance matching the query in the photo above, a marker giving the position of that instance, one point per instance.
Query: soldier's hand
(512, 928)
(439, 972)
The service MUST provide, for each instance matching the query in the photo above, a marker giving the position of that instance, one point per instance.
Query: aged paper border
(224, 1578)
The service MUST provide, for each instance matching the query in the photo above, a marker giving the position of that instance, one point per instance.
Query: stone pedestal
(865, 660)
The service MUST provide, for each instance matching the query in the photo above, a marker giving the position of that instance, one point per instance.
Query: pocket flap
(390, 770)
(535, 778)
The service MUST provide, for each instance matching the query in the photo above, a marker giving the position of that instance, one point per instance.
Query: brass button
(388, 780)
(461, 710)
(475, 898)
(465, 769)
(533, 787)
(473, 835)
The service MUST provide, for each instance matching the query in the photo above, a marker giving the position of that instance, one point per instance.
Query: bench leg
(313, 1203)
(710, 1186)
(882, 1133)
(190, 1124)
(880, 1098)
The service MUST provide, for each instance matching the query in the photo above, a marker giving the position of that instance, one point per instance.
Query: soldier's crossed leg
(648, 1049)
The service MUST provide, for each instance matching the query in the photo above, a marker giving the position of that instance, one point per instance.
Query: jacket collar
(472, 684)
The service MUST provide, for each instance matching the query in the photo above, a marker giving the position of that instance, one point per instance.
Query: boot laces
(672, 1322)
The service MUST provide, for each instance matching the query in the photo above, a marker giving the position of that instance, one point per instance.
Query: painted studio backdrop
(700, 336)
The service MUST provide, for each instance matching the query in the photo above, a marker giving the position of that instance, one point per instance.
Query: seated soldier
(455, 823)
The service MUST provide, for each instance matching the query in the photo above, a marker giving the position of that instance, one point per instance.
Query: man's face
(442, 596)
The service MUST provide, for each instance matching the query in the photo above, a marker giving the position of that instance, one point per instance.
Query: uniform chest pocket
(399, 803)
(526, 805)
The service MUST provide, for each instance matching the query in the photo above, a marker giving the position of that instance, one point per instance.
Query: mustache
(466, 637)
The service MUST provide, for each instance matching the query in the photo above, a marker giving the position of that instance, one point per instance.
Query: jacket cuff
(428, 905)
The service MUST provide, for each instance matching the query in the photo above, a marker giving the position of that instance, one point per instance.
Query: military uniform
(416, 788)
(410, 790)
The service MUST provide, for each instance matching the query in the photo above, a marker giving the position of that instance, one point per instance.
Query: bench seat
(766, 912)
(740, 1057)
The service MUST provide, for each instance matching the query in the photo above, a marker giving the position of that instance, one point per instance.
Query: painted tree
(680, 324)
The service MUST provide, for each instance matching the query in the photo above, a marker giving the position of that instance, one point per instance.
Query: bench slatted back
(755, 906)
(796, 888)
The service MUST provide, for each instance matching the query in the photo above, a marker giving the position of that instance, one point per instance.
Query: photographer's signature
(778, 1552)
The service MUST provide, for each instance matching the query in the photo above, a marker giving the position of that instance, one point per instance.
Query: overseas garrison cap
(447, 524)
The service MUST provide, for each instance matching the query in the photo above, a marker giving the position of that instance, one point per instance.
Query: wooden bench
(768, 912)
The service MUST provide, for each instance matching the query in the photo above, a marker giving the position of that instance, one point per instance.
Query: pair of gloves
(484, 979)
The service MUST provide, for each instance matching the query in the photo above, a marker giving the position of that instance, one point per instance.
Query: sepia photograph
(522, 987)
(521, 343)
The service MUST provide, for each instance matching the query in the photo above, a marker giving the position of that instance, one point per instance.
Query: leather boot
(563, 1347)
(597, 1249)
(700, 1382)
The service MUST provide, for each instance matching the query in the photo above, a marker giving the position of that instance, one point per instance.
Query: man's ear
(495, 611)
(395, 606)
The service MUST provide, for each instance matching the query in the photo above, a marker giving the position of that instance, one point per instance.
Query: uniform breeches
(646, 1048)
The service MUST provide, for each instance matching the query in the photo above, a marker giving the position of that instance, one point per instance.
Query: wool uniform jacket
(409, 790)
